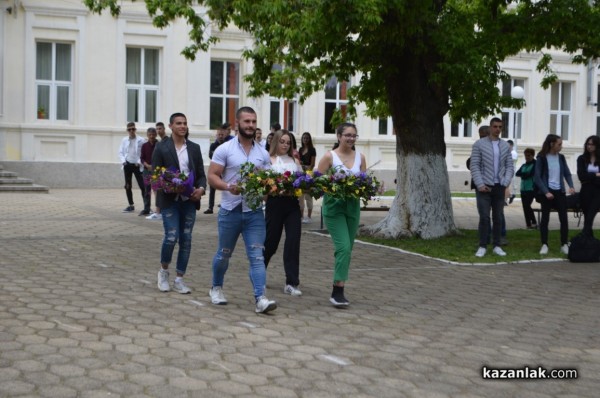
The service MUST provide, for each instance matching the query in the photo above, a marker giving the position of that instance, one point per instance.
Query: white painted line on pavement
(334, 359)
(64, 249)
(144, 281)
(248, 325)
(74, 327)
(103, 265)
(199, 304)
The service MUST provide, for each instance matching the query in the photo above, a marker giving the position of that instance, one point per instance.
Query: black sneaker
(510, 200)
(208, 211)
(337, 297)
(128, 209)
(144, 213)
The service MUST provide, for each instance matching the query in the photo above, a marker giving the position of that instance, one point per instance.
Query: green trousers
(341, 218)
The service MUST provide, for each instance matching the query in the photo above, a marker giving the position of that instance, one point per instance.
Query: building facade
(71, 80)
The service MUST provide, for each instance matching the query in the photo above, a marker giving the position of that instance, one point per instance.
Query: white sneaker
(480, 252)
(498, 251)
(216, 296)
(565, 249)
(544, 249)
(154, 216)
(163, 281)
(181, 288)
(292, 290)
(264, 305)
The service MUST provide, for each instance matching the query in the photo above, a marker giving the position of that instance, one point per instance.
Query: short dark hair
(529, 151)
(276, 126)
(225, 126)
(511, 142)
(176, 114)
(244, 109)
(160, 124)
(495, 120)
(131, 124)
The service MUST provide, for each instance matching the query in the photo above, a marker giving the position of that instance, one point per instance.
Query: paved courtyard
(81, 316)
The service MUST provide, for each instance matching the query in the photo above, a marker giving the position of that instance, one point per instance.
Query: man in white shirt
(130, 152)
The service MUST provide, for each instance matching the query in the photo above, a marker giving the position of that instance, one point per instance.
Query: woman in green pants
(341, 215)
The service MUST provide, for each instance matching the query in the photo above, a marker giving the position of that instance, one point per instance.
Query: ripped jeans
(178, 222)
(251, 225)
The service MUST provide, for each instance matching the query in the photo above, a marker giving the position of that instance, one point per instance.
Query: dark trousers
(147, 191)
(284, 212)
(526, 201)
(493, 200)
(590, 204)
(559, 203)
(131, 169)
(211, 198)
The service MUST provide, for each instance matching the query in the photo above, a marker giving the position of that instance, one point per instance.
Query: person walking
(221, 136)
(526, 172)
(492, 170)
(235, 217)
(342, 215)
(146, 159)
(308, 156)
(551, 170)
(178, 211)
(588, 171)
(130, 152)
(283, 211)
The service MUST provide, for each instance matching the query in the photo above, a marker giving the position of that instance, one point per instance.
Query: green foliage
(456, 44)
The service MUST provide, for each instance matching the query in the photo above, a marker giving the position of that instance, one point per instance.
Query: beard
(246, 134)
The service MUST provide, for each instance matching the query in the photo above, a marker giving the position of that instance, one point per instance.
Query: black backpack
(584, 248)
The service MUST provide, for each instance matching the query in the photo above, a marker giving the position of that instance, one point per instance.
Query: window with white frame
(53, 80)
(142, 81)
(336, 97)
(464, 128)
(598, 111)
(511, 117)
(224, 92)
(284, 112)
(385, 126)
(560, 109)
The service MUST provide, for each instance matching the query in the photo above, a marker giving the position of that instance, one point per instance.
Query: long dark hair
(586, 155)
(309, 145)
(550, 139)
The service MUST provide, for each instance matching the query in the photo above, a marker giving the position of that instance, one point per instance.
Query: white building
(71, 80)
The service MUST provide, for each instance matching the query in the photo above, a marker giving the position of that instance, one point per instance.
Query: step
(24, 188)
(8, 174)
(15, 181)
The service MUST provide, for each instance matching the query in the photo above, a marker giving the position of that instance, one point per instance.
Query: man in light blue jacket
(492, 170)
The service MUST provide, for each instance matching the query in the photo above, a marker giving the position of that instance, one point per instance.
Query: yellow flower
(298, 192)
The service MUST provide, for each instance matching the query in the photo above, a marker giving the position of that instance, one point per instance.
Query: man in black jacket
(178, 209)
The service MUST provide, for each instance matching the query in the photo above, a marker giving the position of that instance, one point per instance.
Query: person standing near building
(283, 211)
(551, 170)
(588, 171)
(342, 215)
(308, 157)
(146, 158)
(259, 140)
(178, 211)
(130, 152)
(160, 130)
(526, 172)
(220, 138)
(235, 217)
(492, 169)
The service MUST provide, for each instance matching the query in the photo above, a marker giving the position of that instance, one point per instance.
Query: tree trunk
(422, 206)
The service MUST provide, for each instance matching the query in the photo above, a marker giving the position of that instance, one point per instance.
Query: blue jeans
(178, 222)
(493, 200)
(232, 223)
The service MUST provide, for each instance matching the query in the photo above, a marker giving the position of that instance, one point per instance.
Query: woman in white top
(342, 215)
(284, 212)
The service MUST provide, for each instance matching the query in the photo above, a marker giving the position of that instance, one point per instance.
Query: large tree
(416, 60)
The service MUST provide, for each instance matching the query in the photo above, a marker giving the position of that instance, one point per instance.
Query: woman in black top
(588, 171)
(308, 157)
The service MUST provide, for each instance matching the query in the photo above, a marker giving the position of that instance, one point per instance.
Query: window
(53, 80)
(284, 112)
(560, 109)
(598, 111)
(511, 118)
(224, 92)
(336, 97)
(462, 129)
(142, 84)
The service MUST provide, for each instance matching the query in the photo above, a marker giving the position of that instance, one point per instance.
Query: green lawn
(523, 244)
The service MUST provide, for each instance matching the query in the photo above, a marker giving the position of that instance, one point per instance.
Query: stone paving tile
(80, 315)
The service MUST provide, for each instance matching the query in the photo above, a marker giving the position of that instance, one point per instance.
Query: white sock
(178, 279)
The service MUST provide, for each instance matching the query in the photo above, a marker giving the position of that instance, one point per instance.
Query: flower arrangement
(171, 180)
(255, 183)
